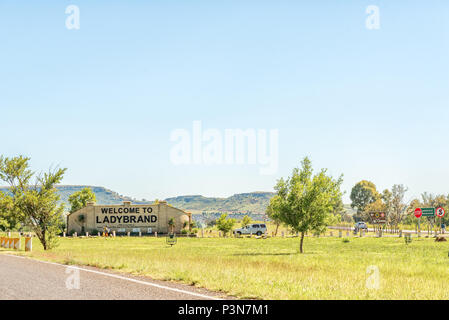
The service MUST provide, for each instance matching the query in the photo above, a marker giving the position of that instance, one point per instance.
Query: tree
(8, 220)
(79, 199)
(362, 194)
(305, 201)
(398, 208)
(225, 225)
(37, 205)
(273, 212)
(246, 221)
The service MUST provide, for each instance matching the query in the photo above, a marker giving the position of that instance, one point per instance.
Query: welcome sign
(125, 217)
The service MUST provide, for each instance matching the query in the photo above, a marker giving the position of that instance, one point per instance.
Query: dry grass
(273, 268)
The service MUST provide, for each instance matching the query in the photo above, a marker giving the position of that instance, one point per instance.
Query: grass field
(272, 268)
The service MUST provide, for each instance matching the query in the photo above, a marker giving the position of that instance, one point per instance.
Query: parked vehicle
(257, 229)
(361, 225)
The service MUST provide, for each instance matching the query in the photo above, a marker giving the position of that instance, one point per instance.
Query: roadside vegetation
(32, 201)
(331, 268)
(336, 263)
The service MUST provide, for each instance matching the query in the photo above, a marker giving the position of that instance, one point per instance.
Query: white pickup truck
(257, 229)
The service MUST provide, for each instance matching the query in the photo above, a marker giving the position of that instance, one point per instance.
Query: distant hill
(103, 195)
(253, 202)
(248, 203)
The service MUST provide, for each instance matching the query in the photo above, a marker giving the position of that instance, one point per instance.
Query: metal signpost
(428, 212)
(418, 214)
(440, 214)
(171, 239)
(378, 218)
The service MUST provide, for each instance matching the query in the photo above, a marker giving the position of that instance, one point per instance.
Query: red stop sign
(418, 212)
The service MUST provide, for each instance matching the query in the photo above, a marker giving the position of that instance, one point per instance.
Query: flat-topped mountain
(253, 202)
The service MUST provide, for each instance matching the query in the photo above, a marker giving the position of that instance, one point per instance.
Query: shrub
(225, 225)
(345, 240)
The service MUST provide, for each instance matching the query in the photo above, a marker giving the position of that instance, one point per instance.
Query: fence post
(28, 244)
(17, 244)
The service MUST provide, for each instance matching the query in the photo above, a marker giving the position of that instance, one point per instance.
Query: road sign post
(428, 212)
(378, 217)
(419, 228)
(425, 212)
(440, 214)
(418, 213)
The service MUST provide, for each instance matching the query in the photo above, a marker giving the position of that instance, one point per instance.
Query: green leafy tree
(224, 224)
(36, 206)
(246, 221)
(273, 212)
(79, 199)
(8, 220)
(362, 194)
(398, 207)
(305, 201)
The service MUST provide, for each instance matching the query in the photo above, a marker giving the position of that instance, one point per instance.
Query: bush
(345, 240)
(184, 231)
(225, 225)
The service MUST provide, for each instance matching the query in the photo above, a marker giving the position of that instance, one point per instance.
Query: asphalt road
(23, 278)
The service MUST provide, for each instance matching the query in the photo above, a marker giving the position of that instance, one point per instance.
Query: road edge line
(120, 277)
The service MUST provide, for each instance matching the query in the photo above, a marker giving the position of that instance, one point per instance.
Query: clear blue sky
(103, 100)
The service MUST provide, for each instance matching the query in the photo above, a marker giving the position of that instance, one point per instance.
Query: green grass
(272, 268)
